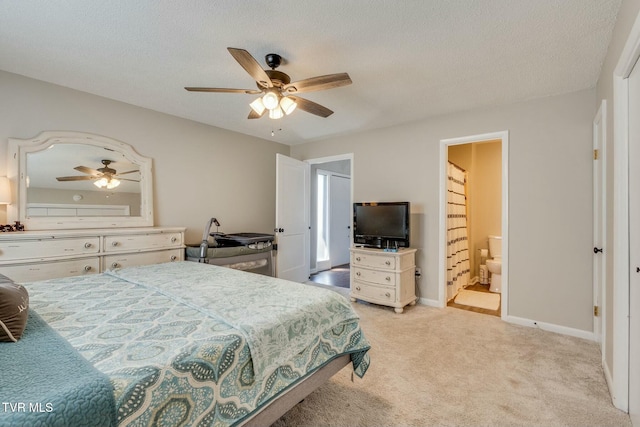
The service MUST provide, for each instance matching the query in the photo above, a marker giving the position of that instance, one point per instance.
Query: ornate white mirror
(66, 180)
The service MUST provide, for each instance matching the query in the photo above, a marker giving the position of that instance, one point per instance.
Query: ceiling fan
(104, 176)
(278, 95)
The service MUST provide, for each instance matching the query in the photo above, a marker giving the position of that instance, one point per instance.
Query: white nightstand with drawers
(385, 278)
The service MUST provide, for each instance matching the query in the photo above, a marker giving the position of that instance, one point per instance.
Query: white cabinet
(385, 278)
(39, 255)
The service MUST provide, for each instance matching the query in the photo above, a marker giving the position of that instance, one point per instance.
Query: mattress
(186, 343)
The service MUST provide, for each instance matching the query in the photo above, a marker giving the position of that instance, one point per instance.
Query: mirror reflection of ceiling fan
(278, 95)
(104, 177)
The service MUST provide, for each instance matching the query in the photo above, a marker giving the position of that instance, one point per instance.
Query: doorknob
(278, 230)
(596, 250)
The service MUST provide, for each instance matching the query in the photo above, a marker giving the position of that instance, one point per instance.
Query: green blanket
(44, 381)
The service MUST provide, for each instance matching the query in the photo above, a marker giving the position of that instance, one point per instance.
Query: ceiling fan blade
(312, 107)
(251, 66)
(222, 90)
(254, 115)
(124, 173)
(90, 171)
(76, 178)
(313, 84)
(125, 179)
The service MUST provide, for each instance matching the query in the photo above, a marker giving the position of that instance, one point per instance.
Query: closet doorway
(331, 201)
(473, 207)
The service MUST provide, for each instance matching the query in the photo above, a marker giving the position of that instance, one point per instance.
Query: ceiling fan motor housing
(273, 60)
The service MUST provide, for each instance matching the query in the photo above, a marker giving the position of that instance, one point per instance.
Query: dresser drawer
(373, 293)
(47, 248)
(142, 258)
(374, 276)
(51, 270)
(136, 242)
(373, 261)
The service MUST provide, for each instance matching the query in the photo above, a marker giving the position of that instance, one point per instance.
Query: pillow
(14, 309)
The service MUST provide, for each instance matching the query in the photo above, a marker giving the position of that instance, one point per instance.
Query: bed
(180, 343)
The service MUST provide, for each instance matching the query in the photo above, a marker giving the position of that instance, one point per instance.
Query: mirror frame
(17, 211)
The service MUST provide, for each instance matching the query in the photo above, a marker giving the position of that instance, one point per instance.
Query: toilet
(495, 263)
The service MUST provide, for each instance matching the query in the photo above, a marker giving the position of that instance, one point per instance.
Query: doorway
(331, 204)
(486, 222)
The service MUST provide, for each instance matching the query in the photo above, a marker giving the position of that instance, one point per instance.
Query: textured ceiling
(408, 60)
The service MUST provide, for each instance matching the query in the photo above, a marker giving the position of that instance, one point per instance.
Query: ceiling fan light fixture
(288, 105)
(271, 100)
(276, 113)
(258, 106)
(108, 183)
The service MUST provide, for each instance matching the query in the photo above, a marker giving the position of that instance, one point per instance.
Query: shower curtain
(458, 267)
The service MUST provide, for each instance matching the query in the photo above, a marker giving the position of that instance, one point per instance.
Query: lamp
(273, 101)
(109, 183)
(258, 106)
(5, 191)
(288, 105)
(270, 100)
(276, 113)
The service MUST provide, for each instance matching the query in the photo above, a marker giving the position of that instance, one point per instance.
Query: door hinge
(596, 311)
(595, 154)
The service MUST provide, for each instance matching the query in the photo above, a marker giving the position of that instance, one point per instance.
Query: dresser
(48, 254)
(385, 278)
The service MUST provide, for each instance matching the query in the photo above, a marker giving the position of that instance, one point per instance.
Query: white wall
(549, 195)
(199, 171)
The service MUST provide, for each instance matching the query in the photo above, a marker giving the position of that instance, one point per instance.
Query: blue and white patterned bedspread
(195, 344)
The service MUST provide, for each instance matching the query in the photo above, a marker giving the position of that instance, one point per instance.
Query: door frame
(619, 379)
(600, 223)
(335, 158)
(442, 258)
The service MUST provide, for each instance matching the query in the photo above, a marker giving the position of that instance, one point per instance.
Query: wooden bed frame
(284, 402)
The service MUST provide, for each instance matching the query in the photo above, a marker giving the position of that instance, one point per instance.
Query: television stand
(385, 278)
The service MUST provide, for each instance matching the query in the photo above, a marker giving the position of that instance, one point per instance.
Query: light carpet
(484, 300)
(452, 367)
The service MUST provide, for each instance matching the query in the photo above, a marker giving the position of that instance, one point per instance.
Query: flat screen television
(382, 225)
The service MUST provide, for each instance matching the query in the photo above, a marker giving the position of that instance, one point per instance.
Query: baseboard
(429, 302)
(578, 333)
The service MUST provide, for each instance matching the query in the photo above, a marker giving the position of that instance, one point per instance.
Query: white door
(599, 219)
(292, 219)
(340, 218)
(634, 245)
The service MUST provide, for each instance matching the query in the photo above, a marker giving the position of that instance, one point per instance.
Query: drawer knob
(388, 279)
(358, 258)
(173, 257)
(358, 273)
(174, 239)
(388, 262)
(87, 268)
(387, 295)
(357, 288)
(115, 265)
(88, 245)
(114, 243)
